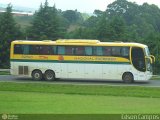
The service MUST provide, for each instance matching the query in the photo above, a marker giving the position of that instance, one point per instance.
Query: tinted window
(45, 50)
(18, 49)
(111, 51)
(25, 49)
(74, 50)
(88, 51)
(107, 51)
(138, 59)
(69, 50)
(41, 50)
(35, 49)
(61, 50)
(98, 51)
(116, 51)
(125, 52)
(121, 52)
(79, 50)
(21, 49)
(54, 50)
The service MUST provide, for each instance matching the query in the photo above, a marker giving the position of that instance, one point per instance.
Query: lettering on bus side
(84, 58)
(95, 59)
(105, 59)
(27, 57)
(43, 57)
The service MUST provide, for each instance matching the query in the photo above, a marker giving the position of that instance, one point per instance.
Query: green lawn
(4, 73)
(77, 99)
(33, 102)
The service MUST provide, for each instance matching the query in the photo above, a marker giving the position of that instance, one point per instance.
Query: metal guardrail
(4, 70)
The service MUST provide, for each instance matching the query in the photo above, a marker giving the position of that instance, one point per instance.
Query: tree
(9, 31)
(73, 16)
(45, 24)
(117, 29)
(102, 28)
(124, 21)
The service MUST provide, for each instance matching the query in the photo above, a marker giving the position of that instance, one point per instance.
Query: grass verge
(129, 91)
(49, 103)
(38, 98)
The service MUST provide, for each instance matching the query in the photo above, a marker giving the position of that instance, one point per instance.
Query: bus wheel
(49, 75)
(37, 75)
(128, 77)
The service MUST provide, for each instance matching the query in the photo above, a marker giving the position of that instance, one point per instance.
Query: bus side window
(88, 51)
(45, 50)
(107, 51)
(18, 49)
(34, 50)
(21, 49)
(69, 50)
(116, 51)
(61, 50)
(54, 50)
(26, 49)
(98, 51)
(79, 50)
(125, 52)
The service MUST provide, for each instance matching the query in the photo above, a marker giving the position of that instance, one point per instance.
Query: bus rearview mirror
(153, 58)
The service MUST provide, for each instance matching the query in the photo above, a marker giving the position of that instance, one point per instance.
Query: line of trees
(9, 31)
(121, 21)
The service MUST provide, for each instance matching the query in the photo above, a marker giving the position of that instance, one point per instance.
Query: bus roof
(78, 42)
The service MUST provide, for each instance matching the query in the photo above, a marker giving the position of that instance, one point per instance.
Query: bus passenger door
(138, 61)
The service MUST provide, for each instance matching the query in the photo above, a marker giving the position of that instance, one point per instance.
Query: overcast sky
(81, 5)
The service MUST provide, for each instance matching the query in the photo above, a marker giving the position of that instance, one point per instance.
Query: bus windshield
(148, 61)
(138, 59)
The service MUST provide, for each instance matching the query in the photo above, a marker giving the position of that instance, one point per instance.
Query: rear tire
(128, 78)
(49, 75)
(37, 75)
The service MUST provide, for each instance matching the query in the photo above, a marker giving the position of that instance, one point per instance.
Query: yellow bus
(81, 59)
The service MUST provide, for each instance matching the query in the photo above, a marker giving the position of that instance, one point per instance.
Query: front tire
(49, 75)
(128, 78)
(37, 75)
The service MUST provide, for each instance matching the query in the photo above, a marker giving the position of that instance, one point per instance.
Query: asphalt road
(10, 78)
